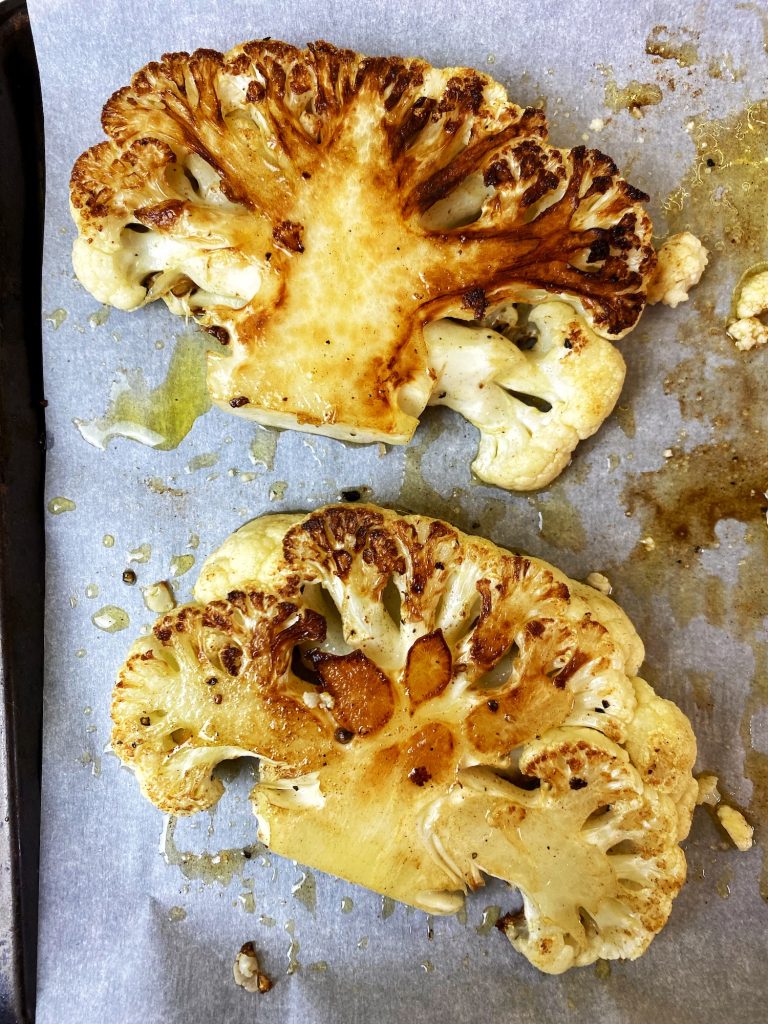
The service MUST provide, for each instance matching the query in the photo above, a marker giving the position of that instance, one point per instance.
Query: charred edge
(475, 300)
(231, 659)
(162, 216)
(578, 660)
(288, 234)
(221, 334)
(419, 776)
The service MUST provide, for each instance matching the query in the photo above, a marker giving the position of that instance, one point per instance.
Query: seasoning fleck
(108, 540)
(347, 903)
(92, 590)
(176, 914)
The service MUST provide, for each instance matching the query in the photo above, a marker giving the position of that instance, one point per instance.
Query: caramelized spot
(429, 754)
(428, 668)
(362, 694)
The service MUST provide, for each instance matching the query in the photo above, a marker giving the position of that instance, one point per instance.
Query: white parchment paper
(130, 929)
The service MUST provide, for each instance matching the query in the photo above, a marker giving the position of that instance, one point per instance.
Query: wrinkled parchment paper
(134, 923)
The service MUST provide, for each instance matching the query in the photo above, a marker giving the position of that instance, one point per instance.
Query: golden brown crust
(481, 722)
(333, 166)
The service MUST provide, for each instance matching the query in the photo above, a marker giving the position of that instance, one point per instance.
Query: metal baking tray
(21, 492)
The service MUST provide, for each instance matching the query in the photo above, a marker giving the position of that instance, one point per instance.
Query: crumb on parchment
(681, 262)
(708, 791)
(737, 827)
(247, 972)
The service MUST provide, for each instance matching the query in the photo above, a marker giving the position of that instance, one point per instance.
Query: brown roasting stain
(723, 199)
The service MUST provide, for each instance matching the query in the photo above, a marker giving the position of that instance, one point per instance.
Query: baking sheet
(141, 918)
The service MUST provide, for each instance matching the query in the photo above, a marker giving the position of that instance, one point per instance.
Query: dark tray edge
(21, 509)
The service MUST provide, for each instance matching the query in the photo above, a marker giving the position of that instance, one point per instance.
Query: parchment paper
(125, 935)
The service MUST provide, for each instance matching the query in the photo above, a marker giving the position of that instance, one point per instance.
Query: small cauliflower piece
(315, 209)
(531, 406)
(749, 331)
(428, 709)
(247, 971)
(708, 791)
(600, 582)
(680, 264)
(737, 827)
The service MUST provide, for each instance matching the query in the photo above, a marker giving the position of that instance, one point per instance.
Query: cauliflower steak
(428, 709)
(318, 211)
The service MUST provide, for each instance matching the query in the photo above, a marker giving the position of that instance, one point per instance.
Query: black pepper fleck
(241, 400)
(343, 735)
(493, 705)
(576, 783)
(217, 698)
(144, 719)
(129, 577)
(211, 681)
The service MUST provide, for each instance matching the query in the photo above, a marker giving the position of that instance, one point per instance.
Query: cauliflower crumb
(600, 582)
(648, 543)
(668, 453)
(682, 259)
(158, 597)
(596, 124)
(315, 700)
(246, 971)
(737, 827)
(708, 791)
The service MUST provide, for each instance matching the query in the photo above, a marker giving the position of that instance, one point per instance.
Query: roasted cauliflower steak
(317, 211)
(428, 709)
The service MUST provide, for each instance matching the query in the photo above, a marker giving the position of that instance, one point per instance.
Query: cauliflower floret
(681, 262)
(401, 737)
(737, 827)
(531, 407)
(749, 331)
(314, 209)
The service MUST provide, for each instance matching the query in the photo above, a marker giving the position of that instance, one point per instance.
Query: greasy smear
(722, 198)
(672, 44)
(159, 417)
(58, 505)
(305, 891)
(632, 97)
(181, 564)
(490, 917)
(220, 867)
(559, 520)
(111, 619)
(263, 447)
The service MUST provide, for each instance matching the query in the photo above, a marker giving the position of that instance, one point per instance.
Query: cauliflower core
(428, 709)
(315, 209)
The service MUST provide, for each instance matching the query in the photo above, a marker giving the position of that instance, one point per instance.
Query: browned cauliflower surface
(428, 709)
(314, 209)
